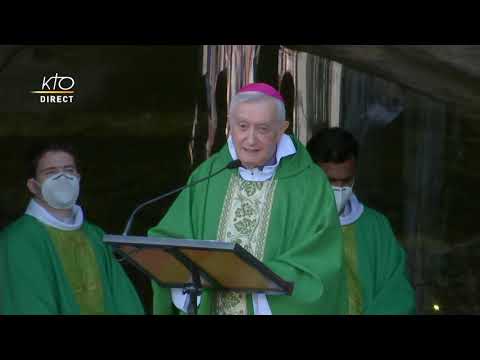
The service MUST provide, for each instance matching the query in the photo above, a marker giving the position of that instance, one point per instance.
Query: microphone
(232, 165)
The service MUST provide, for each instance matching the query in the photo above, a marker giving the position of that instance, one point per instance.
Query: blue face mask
(61, 191)
(342, 195)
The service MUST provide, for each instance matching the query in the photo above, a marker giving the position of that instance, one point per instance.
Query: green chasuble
(376, 270)
(47, 271)
(289, 222)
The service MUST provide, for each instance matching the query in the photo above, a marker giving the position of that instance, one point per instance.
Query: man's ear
(33, 186)
(283, 127)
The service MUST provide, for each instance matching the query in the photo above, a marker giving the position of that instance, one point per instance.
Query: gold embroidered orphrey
(245, 219)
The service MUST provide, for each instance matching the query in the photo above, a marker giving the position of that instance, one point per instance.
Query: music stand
(193, 265)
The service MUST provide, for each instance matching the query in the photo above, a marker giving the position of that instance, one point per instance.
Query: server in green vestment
(53, 261)
(375, 261)
(278, 205)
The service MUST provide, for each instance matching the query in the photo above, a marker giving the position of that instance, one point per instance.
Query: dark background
(130, 122)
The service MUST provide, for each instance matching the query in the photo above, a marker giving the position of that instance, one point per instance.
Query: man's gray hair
(253, 96)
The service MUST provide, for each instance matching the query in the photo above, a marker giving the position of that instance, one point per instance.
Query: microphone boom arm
(232, 165)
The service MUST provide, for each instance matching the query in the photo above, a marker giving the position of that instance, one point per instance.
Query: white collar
(284, 148)
(41, 214)
(356, 210)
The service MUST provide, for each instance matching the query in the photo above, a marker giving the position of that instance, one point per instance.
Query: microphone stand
(232, 165)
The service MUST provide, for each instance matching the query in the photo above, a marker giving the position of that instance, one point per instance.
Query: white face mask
(61, 190)
(342, 195)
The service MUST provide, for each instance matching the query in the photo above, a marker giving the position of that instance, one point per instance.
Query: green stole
(355, 298)
(81, 268)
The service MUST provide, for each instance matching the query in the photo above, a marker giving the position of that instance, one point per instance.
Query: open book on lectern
(220, 265)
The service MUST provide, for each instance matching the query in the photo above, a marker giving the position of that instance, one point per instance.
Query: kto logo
(56, 89)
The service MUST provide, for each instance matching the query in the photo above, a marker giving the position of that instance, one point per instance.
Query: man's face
(342, 174)
(51, 163)
(256, 132)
